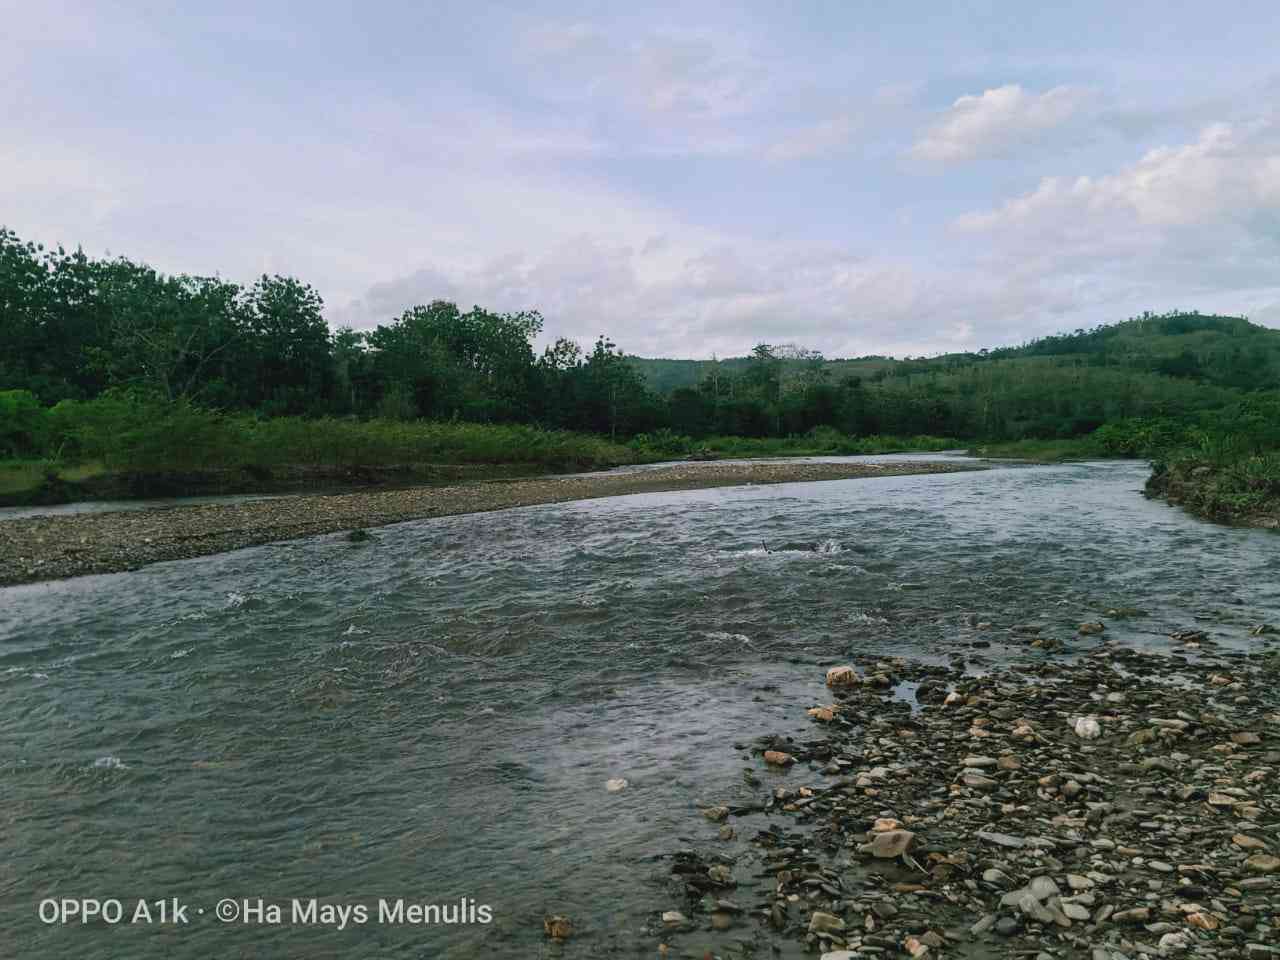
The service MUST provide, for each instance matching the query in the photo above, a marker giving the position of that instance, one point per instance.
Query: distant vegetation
(110, 363)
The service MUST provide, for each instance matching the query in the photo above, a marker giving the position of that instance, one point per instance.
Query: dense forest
(93, 346)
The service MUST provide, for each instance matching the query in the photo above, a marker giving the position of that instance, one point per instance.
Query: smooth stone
(821, 922)
(887, 845)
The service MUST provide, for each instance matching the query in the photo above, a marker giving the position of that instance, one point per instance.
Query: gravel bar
(33, 549)
(1115, 805)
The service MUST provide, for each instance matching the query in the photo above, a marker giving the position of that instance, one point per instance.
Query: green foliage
(23, 428)
(127, 432)
(663, 442)
(113, 363)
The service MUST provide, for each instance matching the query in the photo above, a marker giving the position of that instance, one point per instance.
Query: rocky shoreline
(40, 548)
(1119, 805)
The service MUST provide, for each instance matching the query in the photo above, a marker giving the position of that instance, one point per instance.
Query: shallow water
(434, 715)
(117, 506)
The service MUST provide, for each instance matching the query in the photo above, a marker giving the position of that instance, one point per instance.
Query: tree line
(76, 328)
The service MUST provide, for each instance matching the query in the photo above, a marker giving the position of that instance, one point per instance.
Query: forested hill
(1209, 349)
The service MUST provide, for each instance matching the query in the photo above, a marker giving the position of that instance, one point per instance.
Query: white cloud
(994, 120)
(1229, 171)
(1192, 226)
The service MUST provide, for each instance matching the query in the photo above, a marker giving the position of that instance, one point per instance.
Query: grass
(820, 441)
(17, 476)
(114, 447)
(1042, 451)
(824, 443)
(20, 479)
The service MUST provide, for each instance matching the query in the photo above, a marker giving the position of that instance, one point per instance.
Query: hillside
(1200, 348)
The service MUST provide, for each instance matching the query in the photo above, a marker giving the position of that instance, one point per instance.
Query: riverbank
(53, 547)
(1244, 492)
(1118, 805)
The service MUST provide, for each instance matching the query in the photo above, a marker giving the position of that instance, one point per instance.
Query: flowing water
(434, 715)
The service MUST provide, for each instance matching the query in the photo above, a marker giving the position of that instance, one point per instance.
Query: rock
(1134, 915)
(1002, 839)
(1077, 882)
(977, 781)
(778, 758)
(885, 824)
(616, 784)
(840, 955)
(823, 714)
(557, 928)
(983, 925)
(1042, 888)
(715, 814)
(979, 763)
(842, 677)
(1087, 728)
(1245, 738)
(1263, 863)
(1075, 911)
(887, 845)
(1205, 921)
(721, 920)
(1174, 943)
(1088, 629)
(915, 948)
(1008, 926)
(674, 918)
(821, 922)
(720, 874)
(1245, 842)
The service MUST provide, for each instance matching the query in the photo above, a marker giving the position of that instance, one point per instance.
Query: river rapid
(434, 715)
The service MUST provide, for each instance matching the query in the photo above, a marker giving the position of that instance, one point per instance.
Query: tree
(288, 342)
(164, 332)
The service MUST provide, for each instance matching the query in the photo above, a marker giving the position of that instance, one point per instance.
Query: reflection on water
(434, 715)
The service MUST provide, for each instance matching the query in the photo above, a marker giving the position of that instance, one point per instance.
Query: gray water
(118, 506)
(434, 715)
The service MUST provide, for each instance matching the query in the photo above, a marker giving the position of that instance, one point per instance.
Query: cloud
(725, 294)
(1195, 225)
(1230, 171)
(664, 75)
(989, 123)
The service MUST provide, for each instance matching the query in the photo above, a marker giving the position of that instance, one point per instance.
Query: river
(434, 715)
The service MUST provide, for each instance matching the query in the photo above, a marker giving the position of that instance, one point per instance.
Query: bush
(664, 442)
(23, 427)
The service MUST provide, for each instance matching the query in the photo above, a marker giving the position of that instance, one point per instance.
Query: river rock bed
(1123, 804)
(69, 545)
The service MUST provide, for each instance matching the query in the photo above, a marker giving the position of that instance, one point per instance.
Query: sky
(689, 179)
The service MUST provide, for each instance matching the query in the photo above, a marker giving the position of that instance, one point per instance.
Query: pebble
(842, 677)
(1001, 823)
(1087, 728)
